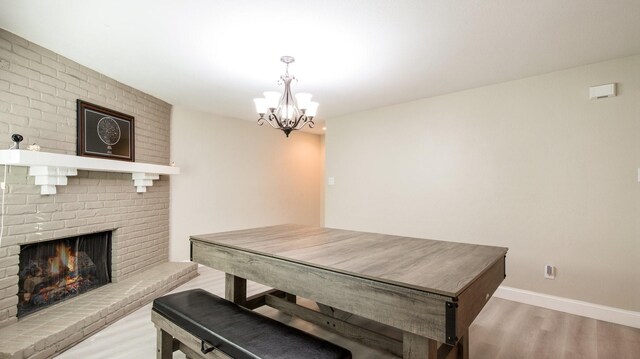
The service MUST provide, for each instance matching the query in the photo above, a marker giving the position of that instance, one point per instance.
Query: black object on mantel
(239, 332)
(16, 138)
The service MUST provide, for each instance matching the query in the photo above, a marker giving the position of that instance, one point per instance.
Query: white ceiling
(352, 55)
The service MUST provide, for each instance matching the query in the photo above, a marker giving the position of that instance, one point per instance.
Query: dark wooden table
(430, 291)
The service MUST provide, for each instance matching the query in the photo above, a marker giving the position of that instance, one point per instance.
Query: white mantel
(51, 169)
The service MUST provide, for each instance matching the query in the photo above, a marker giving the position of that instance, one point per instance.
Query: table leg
(463, 346)
(235, 289)
(415, 346)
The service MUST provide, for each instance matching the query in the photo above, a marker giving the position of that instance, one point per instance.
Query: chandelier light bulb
(261, 105)
(312, 109)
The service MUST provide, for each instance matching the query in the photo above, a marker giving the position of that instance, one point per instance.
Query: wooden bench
(203, 325)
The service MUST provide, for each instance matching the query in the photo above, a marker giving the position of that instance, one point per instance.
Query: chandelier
(282, 111)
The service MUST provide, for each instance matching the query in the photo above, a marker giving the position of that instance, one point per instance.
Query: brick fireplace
(38, 93)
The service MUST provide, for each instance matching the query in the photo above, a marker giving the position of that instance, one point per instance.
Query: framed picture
(105, 133)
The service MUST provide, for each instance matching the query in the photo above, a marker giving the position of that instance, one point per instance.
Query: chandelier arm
(302, 118)
(262, 120)
(307, 122)
(270, 121)
(273, 116)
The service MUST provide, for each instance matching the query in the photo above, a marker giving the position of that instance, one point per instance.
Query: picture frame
(105, 133)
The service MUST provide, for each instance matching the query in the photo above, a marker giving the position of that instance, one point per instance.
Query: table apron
(414, 311)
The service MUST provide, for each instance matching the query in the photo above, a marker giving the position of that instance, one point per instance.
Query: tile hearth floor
(51, 330)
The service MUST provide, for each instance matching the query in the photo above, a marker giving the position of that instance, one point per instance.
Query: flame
(64, 258)
(53, 265)
(71, 263)
(69, 281)
(63, 252)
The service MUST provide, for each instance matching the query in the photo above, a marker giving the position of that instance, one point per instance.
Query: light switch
(331, 181)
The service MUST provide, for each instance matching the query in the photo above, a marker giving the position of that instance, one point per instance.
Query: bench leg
(165, 345)
(235, 289)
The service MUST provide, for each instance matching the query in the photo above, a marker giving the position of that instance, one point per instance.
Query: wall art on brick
(105, 133)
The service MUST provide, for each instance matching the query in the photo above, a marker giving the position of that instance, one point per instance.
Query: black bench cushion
(240, 332)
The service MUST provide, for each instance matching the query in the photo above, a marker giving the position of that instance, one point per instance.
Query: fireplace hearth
(53, 271)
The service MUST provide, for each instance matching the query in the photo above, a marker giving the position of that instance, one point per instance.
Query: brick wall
(38, 93)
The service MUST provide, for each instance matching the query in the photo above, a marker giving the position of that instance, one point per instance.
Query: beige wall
(532, 164)
(322, 175)
(236, 174)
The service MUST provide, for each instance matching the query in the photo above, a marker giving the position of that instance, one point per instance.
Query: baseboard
(571, 306)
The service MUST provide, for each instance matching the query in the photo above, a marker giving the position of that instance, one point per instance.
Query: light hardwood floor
(503, 330)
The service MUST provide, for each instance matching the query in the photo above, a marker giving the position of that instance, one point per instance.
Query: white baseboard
(571, 306)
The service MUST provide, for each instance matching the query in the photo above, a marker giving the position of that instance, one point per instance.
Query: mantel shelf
(51, 169)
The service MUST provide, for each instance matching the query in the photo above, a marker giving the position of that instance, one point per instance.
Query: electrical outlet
(549, 271)
(2, 186)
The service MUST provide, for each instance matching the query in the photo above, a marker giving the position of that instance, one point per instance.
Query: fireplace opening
(56, 270)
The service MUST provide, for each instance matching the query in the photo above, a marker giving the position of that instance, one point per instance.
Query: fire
(64, 258)
(53, 265)
(69, 281)
(71, 264)
(57, 270)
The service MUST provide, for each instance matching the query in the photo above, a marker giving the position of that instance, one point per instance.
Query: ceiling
(353, 55)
